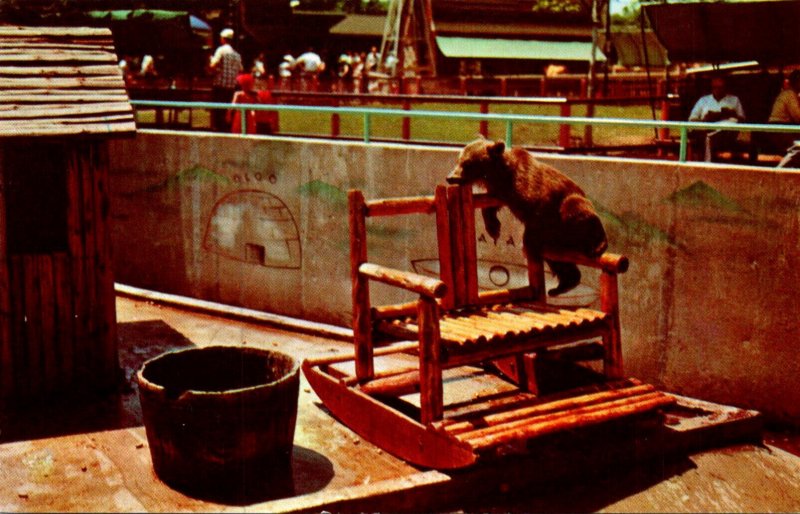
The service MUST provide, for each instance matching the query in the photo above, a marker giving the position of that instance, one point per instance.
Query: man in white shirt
(226, 63)
(309, 65)
(719, 106)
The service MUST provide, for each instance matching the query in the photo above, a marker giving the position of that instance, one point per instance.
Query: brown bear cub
(554, 210)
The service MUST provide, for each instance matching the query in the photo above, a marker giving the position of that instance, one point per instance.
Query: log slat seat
(498, 324)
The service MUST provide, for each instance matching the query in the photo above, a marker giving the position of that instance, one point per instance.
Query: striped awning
(483, 48)
(61, 81)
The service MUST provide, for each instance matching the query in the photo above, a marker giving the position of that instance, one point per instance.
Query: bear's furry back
(532, 189)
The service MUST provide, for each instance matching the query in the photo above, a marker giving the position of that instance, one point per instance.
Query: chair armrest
(405, 279)
(608, 262)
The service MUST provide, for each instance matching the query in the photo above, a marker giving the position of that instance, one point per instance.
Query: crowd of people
(356, 69)
(234, 83)
(353, 73)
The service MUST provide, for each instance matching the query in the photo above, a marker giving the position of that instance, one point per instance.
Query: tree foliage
(629, 16)
(32, 11)
(559, 7)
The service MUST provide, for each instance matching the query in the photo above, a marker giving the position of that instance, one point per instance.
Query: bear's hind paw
(561, 289)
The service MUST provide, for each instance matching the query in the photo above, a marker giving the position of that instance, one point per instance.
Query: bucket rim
(152, 386)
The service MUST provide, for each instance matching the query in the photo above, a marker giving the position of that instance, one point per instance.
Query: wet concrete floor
(92, 455)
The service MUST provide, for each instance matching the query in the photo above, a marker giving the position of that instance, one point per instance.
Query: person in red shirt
(256, 121)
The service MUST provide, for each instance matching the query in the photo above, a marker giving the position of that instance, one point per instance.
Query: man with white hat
(226, 63)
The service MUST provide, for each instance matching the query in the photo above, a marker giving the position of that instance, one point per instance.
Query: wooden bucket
(220, 420)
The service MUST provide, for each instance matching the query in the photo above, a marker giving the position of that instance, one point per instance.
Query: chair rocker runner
(453, 325)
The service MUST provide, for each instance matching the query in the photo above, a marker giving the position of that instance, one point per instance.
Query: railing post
(243, 119)
(336, 122)
(565, 128)
(367, 126)
(509, 133)
(483, 128)
(406, 121)
(684, 143)
(462, 85)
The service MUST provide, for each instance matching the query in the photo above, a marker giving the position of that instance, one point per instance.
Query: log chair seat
(502, 324)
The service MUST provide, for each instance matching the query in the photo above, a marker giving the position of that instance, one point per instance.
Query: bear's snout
(456, 176)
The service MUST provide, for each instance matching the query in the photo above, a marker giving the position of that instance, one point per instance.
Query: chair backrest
(463, 255)
(462, 204)
(454, 208)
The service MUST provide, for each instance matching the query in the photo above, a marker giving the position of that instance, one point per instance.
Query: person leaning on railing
(256, 121)
(719, 106)
(786, 111)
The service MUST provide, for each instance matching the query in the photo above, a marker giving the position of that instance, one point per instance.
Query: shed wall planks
(6, 363)
(60, 328)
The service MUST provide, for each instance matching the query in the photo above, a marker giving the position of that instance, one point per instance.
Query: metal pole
(647, 68)
(587, 130)
(684, 143)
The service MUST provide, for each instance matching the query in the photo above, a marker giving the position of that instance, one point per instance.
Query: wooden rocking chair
(454, 325)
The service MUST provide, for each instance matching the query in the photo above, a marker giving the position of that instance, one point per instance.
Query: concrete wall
(709, 306)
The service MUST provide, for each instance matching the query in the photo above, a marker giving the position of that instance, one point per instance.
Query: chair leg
(430, 367)
(527, 373)
(612, 341)
(612, 358)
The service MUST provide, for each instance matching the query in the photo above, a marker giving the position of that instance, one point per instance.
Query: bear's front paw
(491, 222)
(493, 228)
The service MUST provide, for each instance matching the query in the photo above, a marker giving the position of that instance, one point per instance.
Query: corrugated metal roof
(360, 25)
(717, 32)
(480, 48)
(61, 81)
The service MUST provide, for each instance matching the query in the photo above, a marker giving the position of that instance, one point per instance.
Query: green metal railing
(367, 114)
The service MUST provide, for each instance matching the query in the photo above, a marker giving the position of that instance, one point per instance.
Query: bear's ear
(496, 149)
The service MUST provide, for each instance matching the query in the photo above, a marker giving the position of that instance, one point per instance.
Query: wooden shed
(62, 97)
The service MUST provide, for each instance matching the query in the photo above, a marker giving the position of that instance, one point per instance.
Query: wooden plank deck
(92, 456)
